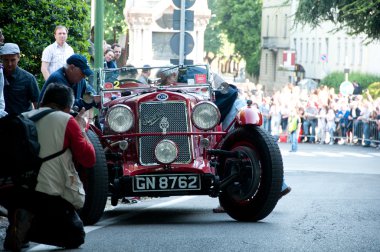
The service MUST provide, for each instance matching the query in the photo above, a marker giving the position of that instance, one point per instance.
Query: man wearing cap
(20, 87)
(55, 55)
(145, 73)
(73, 74)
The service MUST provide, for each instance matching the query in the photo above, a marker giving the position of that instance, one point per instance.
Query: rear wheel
(95, 181)
(255, 192)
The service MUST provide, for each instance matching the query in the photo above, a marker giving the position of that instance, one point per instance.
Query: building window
(307, 50)
(313, 51)
(327, 48)
(338, 52)
(361, 52)
(286, 26)
(275, 26)
(346, 52)
(301, 45)
(319, 49)
(353, 51)
(266, 63)
(267, 25)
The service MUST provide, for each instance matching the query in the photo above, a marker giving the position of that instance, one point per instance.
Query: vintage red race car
(165, 139)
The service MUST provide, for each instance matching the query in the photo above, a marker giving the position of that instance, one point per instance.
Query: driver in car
(168, 76)
(73, 74)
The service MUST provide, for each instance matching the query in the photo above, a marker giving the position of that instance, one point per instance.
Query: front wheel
(254, 193)
(95, 182)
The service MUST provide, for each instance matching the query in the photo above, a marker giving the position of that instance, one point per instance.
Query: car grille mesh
(155, 117)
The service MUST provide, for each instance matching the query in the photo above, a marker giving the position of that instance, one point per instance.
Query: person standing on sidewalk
(20, 87)
(116, 48)
(2, 102)
(55, 55)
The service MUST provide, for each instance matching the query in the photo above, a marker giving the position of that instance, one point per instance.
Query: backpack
(19, 150)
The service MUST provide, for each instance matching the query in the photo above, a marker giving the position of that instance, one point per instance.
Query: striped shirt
(56, 55)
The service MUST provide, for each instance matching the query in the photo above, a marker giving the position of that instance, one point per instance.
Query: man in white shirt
(2, 102)
(55, 55)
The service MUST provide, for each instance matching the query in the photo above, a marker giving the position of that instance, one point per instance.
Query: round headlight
(166, 151)
(205, 115)
(120, 118)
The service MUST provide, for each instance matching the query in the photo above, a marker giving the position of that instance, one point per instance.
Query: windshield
(118, 82)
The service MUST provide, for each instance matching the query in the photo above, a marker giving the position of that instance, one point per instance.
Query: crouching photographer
(47, 214)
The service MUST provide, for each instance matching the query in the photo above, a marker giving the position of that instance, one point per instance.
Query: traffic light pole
(182, 34)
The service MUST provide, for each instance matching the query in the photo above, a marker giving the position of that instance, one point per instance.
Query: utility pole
(99, 37)
(182, 34)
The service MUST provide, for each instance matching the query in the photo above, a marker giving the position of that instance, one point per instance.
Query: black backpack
(19, 149)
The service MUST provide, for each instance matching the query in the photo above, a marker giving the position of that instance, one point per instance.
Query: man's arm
(44, 70)
(82, 150)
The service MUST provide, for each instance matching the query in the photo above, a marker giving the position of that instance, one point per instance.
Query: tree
(114, 21)
(357, 16)
(213, 34)
(31, 23)
(241, 21)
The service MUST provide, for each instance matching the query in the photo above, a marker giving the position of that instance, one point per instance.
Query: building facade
(150, 25)
(317, 52)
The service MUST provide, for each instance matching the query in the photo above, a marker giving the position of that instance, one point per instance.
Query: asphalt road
(334, 206)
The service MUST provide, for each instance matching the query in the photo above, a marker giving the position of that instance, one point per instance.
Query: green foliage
(357, 15)
(374, 90)
(334, 79)
(114, 21)
(241, 21)
(213, 34)
(31, 24)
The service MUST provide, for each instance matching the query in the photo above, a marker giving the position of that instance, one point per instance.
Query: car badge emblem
(150, 120)
(162, 97)
(164, 124)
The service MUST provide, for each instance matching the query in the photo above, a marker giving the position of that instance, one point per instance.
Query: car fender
(249, 115)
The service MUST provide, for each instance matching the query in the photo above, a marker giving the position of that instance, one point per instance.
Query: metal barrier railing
(364, 132)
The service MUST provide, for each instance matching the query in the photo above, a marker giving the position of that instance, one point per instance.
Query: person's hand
(97, 99)
(80, 119)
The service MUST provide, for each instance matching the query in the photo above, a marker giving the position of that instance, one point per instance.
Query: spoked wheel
(95, 182)
(257, 174)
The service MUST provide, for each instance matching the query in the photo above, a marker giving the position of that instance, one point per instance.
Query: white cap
(9, 48)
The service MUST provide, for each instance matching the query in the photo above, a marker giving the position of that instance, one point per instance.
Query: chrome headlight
(205, 115)
(120, 118)
(166, 152)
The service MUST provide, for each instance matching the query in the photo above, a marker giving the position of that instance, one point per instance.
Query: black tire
(255, 194)
(95, 182)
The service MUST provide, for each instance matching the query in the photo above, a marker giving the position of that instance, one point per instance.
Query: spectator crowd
(327, 117)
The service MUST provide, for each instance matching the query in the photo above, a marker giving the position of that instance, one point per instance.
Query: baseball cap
(9, 48)
(81, 62)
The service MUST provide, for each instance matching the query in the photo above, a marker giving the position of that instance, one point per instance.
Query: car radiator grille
(163, 117)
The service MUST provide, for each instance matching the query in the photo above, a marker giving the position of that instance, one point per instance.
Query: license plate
(172, 182)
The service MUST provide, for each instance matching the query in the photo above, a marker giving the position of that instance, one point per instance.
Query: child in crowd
(294, 124)
(330, 124)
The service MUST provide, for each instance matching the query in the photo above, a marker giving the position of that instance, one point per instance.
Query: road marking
(113, 220)
(327, 154)
(355, 154)
(330, 154)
